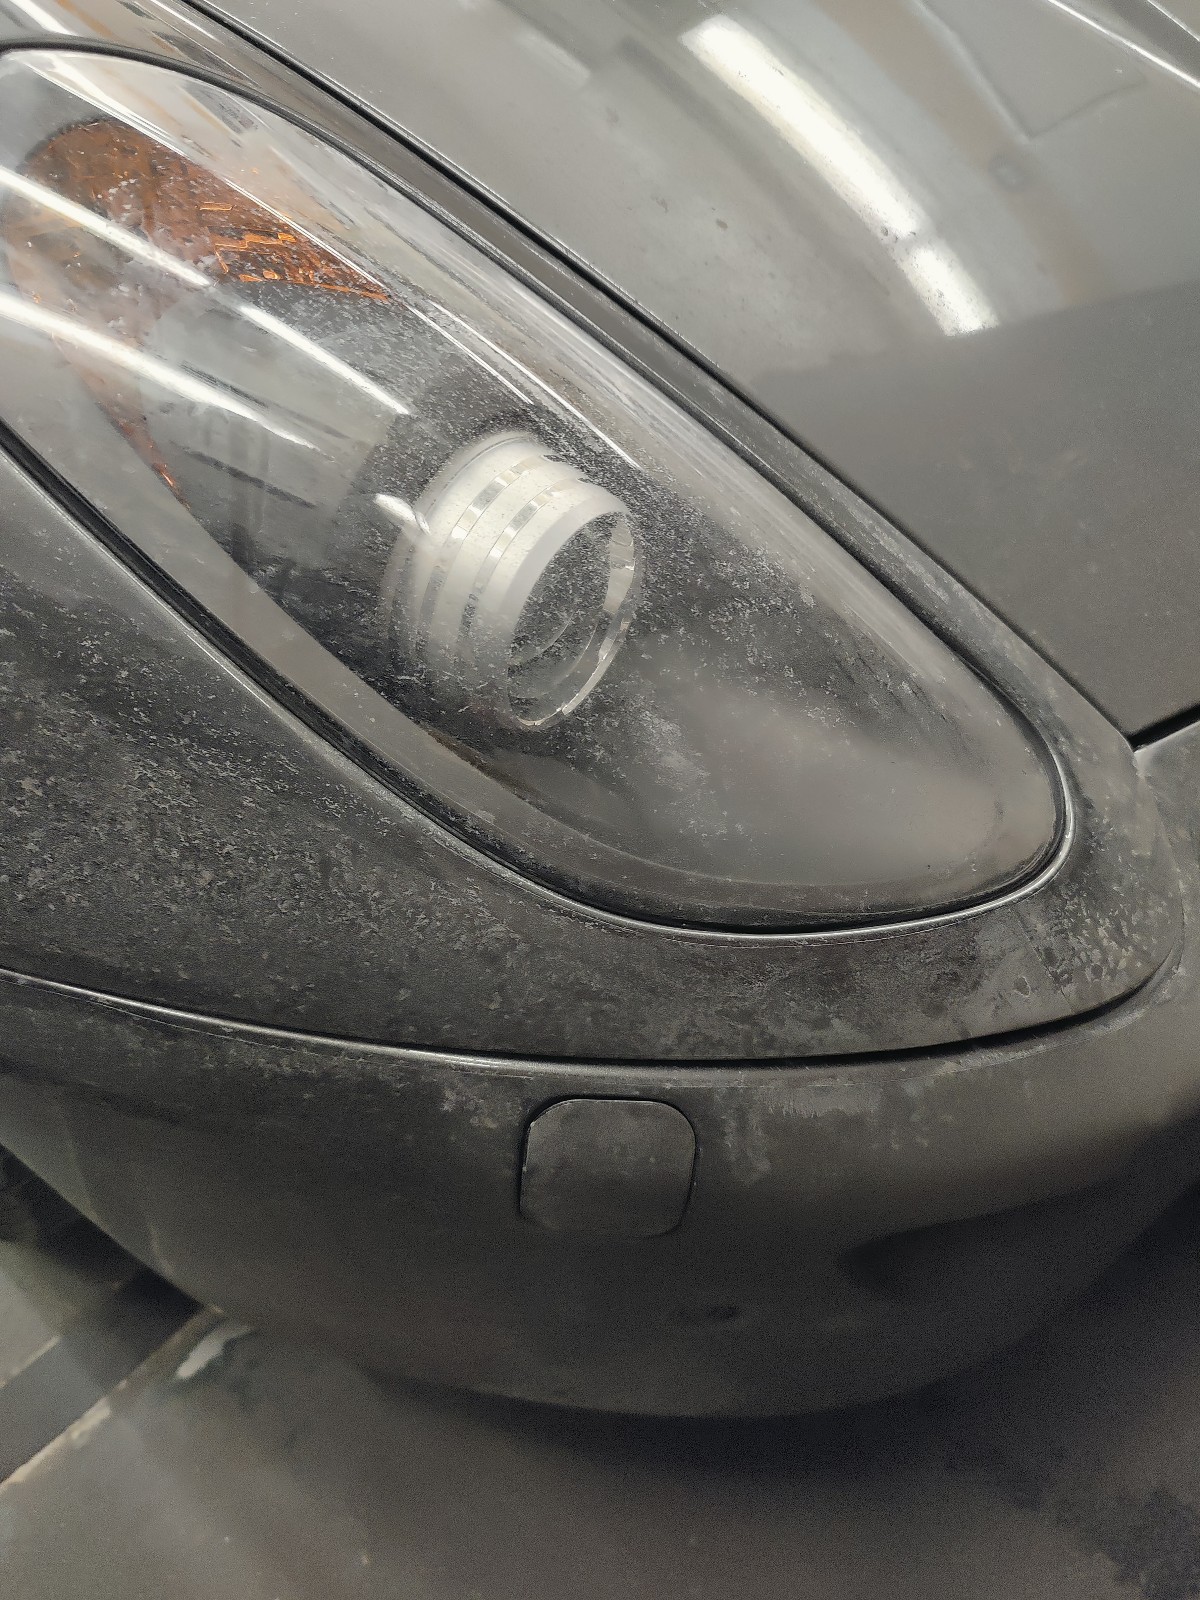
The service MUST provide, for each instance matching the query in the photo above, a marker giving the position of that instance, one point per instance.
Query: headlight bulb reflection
(512, 583)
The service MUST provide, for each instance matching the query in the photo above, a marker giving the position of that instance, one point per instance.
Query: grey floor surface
(230, 1466)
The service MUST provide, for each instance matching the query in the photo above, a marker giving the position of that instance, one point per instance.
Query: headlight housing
(568, 619)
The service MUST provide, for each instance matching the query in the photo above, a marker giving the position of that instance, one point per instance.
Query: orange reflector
(138, 183)
(145, 192)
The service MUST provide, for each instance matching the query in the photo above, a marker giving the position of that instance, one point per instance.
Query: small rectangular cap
(616, 1167)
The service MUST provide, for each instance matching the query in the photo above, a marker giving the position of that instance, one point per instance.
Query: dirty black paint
(927, 1208)
(874, 1223)
(237, 864)
(175, 836)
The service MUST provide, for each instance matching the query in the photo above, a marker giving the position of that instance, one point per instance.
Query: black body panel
(851, 1229)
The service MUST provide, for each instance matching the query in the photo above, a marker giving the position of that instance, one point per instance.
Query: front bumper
(852, 1228)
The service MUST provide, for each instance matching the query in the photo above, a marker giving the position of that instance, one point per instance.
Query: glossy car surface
(1013, 384)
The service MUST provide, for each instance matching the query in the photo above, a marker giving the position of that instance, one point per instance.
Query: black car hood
(952, 247)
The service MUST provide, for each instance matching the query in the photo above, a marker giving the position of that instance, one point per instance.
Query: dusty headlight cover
(574, 624)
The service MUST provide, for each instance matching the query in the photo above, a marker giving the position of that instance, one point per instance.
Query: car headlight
(570, 621)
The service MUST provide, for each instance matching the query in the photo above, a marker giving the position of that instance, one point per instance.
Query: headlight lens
(574, 624)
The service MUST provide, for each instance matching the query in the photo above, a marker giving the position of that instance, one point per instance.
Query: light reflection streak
(139, 248)
(1124, 42)
(25, 313)
(849, 165)
(134, 245)
(39, 15)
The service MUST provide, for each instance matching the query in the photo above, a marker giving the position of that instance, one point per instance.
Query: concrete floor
(230, 1466)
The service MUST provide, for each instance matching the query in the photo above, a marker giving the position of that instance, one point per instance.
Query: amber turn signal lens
(188, 216)
(143, 186)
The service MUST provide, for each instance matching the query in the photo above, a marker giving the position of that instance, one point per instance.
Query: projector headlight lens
(571, 623)
(515, 580)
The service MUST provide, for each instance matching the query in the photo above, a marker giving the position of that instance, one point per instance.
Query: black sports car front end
(510, 865)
